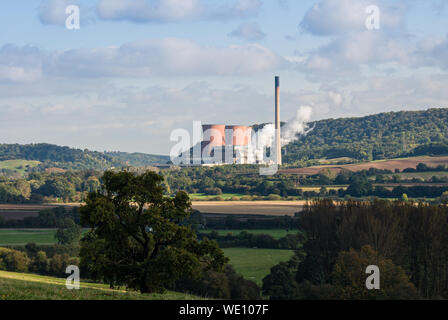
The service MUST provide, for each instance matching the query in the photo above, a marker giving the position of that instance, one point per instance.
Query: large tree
(138, 238)
(68, 231)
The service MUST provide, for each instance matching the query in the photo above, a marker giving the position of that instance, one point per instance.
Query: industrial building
(226, 144)
(234, 144)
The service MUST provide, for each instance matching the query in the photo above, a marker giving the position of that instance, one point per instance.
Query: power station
(234, 144)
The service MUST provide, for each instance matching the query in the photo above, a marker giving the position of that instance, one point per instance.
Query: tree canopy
(137, 238)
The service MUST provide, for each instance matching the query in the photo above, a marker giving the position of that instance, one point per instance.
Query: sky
(136, 70)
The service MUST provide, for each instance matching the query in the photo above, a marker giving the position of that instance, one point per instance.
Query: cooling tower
(241, 135)
(214, 134)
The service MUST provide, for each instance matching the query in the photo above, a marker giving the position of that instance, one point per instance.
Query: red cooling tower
(214, 134)
(241, 135)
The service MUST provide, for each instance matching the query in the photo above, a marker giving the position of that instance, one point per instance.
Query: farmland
(401, 164)
(19, 166)
(24, 236)
(20, 211)
(19, 237)
(21, 286)
(275, 233)
(205, 197)
(269, 208)
(255, 264)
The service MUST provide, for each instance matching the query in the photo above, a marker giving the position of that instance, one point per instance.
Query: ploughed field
(21, 211)
(392, 164)
(267, 208)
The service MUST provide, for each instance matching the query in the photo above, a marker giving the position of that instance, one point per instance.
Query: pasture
(274, 233)
(24, 236)
(205, 197)
(20, 237)
(19, 166)
(255, 264)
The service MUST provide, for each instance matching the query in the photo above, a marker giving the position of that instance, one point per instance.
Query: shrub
(274, 197)
(13, 260)
(39, 264)
(58, 264)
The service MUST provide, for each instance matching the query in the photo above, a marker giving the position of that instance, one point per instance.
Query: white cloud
(19, 74)
(249, 31)
(20, 64)
(160, 11)
(52, 12)
(165, 57)
(432, 52)
(168, 57)
(333, 17)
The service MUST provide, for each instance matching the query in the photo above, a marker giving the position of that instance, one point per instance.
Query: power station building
(233, 144)
(226, 144)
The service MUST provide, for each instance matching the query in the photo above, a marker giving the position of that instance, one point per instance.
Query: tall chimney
(278, 143)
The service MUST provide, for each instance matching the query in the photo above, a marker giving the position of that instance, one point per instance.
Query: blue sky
(137, 70)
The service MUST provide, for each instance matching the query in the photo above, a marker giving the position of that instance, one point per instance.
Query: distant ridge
(76, 159)
(374, 137)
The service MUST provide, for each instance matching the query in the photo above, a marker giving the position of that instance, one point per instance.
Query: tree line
(340, 239)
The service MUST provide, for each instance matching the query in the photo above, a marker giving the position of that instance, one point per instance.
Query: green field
(23, 286)
(420, 175)
(18, 165)
(23, 236)
(203, 196)
(275, 233)
(255, 264)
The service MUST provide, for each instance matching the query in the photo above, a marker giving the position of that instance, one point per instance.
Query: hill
(24, 286)
(41, 156)
(57, 156)
(375, 137)
(138, 159)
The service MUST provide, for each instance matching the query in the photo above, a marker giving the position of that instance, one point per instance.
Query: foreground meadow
(23, 286)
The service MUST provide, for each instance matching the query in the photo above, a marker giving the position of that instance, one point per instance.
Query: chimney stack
(278, 143)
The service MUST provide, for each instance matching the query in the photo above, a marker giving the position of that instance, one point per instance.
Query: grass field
(203, 196)
(23, 236)
(275, 233)
(255, 264)
(23, 286)
(317, 188)
(18, 165)
(420, 175)
(46, 236)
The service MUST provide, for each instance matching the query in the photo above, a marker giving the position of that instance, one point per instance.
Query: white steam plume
(297, 125)
(290, 132)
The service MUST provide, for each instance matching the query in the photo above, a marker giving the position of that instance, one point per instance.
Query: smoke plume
(296, 126)
(289, 133)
